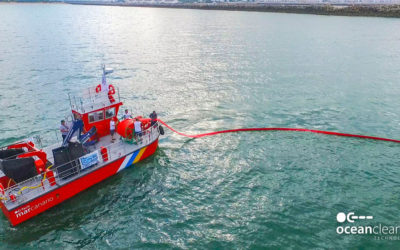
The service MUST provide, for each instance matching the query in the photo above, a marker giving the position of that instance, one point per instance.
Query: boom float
(279, 129)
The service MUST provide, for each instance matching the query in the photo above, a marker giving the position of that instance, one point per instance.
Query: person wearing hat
(64, 129)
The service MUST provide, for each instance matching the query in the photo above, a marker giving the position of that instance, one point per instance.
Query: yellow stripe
(139, 155)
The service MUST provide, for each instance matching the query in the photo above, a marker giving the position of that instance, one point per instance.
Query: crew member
(113, 123)
(138, 127)
(64, 129)
(153, 117)
(127, 115)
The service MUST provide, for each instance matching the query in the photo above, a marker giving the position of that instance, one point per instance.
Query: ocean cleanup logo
(89, 159)
(350, 217)
(381, 232)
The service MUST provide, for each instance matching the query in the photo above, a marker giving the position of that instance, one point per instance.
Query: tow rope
(279, 129)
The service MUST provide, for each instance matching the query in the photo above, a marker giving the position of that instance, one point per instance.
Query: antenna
(107, 71)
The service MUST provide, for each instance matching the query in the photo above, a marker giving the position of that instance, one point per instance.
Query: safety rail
(6, 147)
(29, 189)
(17, 142)
(90, 100)
(132, 111)
(24, 148)
(48, 137)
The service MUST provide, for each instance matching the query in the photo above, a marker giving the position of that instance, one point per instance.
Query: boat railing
(132, 111)
(18, 141)
(90, 99)
(37, 140)
(55, 176)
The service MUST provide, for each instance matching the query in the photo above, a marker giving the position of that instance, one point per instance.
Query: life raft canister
(104, 153)
(50, 177)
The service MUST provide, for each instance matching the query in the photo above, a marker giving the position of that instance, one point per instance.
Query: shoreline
(316, 9)
(360, 10)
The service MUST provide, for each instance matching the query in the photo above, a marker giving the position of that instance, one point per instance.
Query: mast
(106, 71)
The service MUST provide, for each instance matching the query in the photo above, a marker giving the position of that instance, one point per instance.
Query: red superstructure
(91, 119)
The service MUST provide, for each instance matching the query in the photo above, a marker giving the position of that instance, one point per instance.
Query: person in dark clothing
(153, 117)
(64, 129)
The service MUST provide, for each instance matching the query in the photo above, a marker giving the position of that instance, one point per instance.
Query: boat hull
(55, 197)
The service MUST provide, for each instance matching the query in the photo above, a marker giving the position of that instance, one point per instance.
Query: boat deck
(37, 186)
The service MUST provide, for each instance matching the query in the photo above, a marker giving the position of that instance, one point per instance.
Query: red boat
(34, 179)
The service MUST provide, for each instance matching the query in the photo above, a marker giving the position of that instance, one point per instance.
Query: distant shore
(318, 9)
(367, 10)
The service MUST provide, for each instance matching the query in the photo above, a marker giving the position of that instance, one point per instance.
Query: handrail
(90, 97)
(15, 142)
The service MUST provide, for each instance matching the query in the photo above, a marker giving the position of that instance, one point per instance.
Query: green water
(204, 71)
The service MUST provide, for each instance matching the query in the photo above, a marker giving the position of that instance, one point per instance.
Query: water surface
(204, 71)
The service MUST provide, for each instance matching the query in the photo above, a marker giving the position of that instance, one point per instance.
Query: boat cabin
(97, 107)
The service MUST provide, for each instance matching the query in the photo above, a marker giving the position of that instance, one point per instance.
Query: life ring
(98, 88)
(111, 89)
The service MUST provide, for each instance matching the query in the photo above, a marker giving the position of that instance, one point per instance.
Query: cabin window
(96, 116)
(110, 113)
